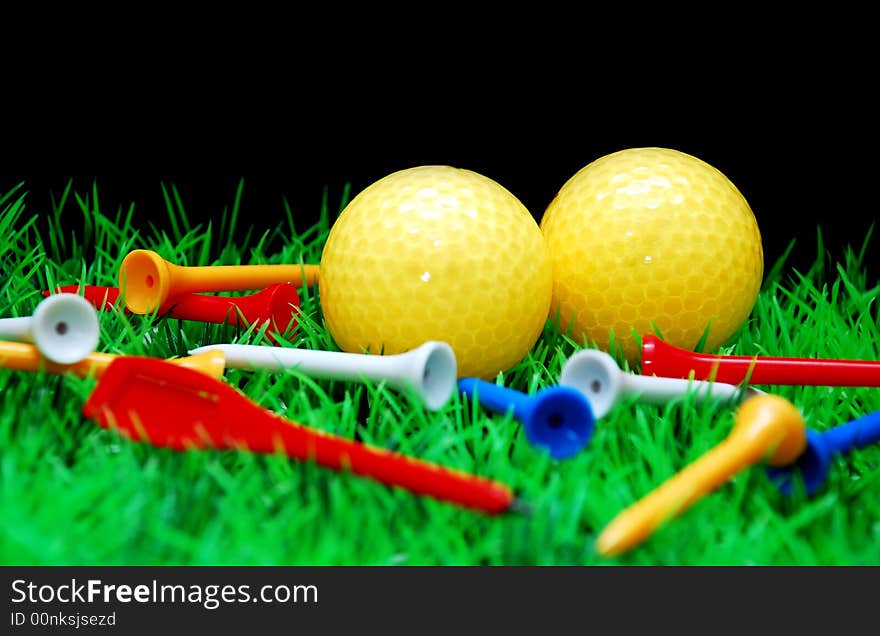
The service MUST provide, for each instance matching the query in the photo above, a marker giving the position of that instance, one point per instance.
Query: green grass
(74, 493)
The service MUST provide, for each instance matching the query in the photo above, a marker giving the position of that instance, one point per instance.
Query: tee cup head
(560, 420)
(145, 281)
(283, 302)
(65, 328)
(596, 375)
(434, 373)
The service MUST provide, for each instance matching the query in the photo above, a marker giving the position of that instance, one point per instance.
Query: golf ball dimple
(437, 253)
(651, 237)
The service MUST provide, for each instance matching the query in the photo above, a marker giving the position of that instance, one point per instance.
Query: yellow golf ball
(652, 236)
(437, 253)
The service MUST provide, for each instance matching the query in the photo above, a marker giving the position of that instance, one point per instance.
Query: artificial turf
(74, 493)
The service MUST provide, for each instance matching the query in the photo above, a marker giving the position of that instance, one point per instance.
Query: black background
(801, 146)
